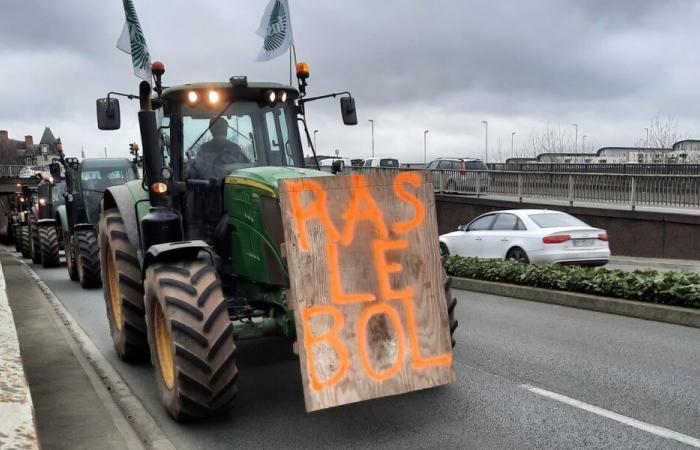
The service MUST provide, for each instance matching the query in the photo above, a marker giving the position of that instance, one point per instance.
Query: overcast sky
(438, 65)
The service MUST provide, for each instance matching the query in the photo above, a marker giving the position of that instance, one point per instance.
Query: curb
(134, 412)
(641, 310)
(17, 423)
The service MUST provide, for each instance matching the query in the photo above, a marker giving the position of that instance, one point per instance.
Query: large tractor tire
(71, 263)
(191, 338)
(25, 241)
(48, 237)
(88, 259)
(451, 304)
(17, 238)
(123, 289)
(35, 240)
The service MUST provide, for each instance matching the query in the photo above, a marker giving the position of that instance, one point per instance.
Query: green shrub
(669, 288)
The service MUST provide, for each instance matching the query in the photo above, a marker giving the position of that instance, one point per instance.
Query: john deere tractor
(191, 257)
(44, 218)
(26, 198)
(86, 182)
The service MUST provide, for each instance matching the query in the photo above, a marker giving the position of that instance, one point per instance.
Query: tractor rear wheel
(123, 289)
(48, 238)
(35, 240)
(25, 241)
(191, 338)
(451, 304)
(69, 248)
(88, 259)
(17, 238)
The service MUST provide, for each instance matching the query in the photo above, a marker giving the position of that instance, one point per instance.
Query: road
(639, 369)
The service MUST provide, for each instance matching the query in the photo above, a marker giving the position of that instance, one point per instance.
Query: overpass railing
(673, 191)
(15, 171)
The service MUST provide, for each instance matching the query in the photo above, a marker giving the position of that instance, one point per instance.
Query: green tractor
(17, 219)
(86, 182)
(46, 239)
(191, 257)
(26, 198)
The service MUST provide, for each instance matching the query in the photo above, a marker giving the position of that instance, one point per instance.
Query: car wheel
(518, 254)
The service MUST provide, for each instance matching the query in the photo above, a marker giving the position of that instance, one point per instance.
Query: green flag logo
(276, 28)
(139, 52)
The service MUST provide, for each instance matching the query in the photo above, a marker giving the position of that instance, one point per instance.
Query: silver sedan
(537, 236)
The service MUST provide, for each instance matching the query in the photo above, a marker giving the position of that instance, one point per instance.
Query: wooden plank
(366, 283)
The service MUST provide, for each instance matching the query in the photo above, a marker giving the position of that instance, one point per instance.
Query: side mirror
(337, 166)
(55, 170)
(347, 108)
(463, 228)
(108, 116)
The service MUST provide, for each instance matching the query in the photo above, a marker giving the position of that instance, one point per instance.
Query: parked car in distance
(327, 164)
(537, 236)
(460, 175)
(388, 163)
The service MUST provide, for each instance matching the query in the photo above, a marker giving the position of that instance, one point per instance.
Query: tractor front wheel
(123, 289)
(17, 238)
(25, 241)
(191, 338)
(451, 304)
(88, 259)
(35, 240)
(71, 264)
(48, 238)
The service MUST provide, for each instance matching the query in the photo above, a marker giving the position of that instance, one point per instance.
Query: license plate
(584, 242)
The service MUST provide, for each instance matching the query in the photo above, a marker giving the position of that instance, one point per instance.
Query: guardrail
(619, 168)
(14, 171)
(675, 191)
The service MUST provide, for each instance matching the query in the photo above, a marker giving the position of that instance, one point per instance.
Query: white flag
(276, 30)
(133, 42)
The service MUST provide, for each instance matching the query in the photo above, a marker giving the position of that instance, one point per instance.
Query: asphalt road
(639, 369)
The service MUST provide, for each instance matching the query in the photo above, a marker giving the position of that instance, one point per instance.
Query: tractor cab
(94, 176)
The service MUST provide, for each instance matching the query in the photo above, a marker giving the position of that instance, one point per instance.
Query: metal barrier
(14, 171)
(619, 168)
(676, 191)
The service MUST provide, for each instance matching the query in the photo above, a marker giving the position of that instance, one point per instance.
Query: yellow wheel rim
(164, 348)
(114, 295)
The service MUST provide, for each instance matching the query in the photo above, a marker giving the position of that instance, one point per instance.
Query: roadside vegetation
(668, 288)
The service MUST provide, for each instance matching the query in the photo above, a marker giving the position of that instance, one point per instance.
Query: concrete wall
(632, 233)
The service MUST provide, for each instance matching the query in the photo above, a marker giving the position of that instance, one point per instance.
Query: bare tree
(663, 132)
(551, 139)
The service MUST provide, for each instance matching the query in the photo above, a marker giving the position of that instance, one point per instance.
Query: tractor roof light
(192, 97)
(302, 70)
(270, 97)
(159, 188)
(283, 96)
(213, 97)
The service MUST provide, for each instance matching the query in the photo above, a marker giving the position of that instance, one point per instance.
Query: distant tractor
(192, 256)
(86, 182)
(26, 197)
(46, 238)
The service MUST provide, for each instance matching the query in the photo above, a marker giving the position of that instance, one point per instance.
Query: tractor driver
(214, 157)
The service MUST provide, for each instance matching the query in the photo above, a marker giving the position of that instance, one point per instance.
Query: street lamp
(512, 143)
(647, 144)
(486, 155)
(315, 148)
(371, 121)
(576, 138)
(583, 143)
(425, 146)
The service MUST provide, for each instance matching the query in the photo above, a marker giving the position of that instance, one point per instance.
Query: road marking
(653, 429)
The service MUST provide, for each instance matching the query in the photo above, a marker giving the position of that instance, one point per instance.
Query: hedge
(668, 288)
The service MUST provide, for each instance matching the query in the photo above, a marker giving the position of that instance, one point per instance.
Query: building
(26, 152)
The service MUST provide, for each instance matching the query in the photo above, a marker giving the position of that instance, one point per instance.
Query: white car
(537, 236)
(327, 164)
(385, 163)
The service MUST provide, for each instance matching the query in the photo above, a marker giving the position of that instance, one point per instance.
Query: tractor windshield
(245, 135)
(96, 176)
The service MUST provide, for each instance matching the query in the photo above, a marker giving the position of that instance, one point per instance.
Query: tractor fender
(46, 222)
(62, 216)
(175, 251)
(120, 197)
(83, 226)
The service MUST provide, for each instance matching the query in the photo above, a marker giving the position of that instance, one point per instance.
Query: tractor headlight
(42, 201)
(192, 97)
(213, 97)
(283, 96)
(270, 97)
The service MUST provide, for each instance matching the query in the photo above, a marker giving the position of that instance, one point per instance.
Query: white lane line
(653, 429)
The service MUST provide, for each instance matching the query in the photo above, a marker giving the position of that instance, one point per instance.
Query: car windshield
(245, 135)
(551, 220)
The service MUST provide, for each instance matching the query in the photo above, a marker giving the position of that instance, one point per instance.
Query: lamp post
(575, 138)
(512, 144)
(371, 121)
(647, 144)
(486, 153)
(583, 143)
(425, 146)
(315, 148)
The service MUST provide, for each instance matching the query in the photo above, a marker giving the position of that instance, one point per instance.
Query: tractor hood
(267, 178)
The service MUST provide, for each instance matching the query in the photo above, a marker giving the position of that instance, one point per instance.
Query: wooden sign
(366, 286)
